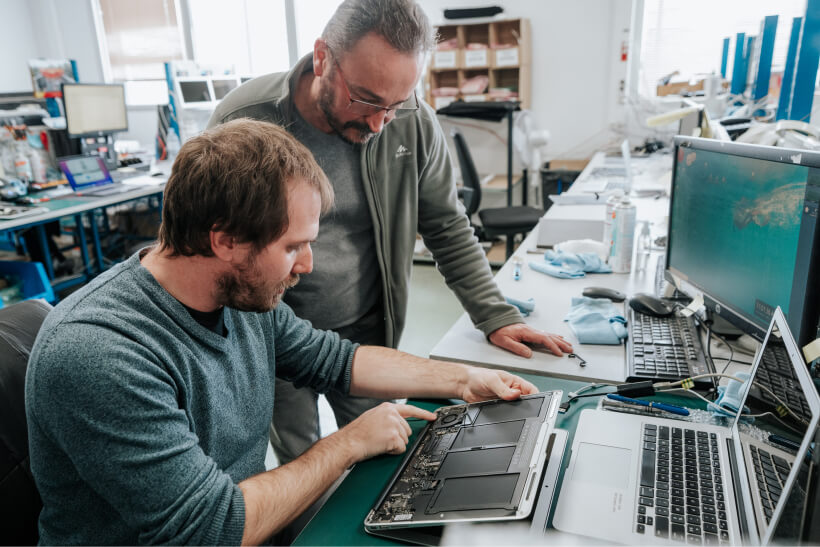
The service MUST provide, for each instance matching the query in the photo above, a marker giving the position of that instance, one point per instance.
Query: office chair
(20, 502)
(506, 221)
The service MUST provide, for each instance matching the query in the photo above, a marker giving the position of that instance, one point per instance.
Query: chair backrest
(469, 175)
(20, 503)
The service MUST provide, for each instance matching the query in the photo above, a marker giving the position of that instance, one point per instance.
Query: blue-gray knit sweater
(142, 422)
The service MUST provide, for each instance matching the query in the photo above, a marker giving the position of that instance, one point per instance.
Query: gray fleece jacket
(408, 181)
(142, 422)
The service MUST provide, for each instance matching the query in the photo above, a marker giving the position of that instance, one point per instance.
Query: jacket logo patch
(402, 151)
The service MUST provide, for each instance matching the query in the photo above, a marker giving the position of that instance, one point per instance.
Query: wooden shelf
(504, 59)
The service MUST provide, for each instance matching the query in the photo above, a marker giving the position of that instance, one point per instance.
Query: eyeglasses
(364, 108)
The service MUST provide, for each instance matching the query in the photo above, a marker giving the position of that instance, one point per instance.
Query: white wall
(18, 43)
(53, 29)
(575, 63)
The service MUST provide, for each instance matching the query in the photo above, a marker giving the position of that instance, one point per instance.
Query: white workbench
(464, 343)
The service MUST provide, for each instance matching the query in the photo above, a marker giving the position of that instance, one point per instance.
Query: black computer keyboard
(664, 349)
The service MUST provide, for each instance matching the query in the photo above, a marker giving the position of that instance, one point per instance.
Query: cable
(782, 404)
(687, 390)
(708, 346)
(661, 385)
(734, 361)
(577, 394)
(731, 350)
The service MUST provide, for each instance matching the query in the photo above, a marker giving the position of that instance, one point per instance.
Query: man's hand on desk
(513, 337)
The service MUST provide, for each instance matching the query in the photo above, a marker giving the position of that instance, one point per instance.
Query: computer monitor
(691, 124)
(223, 86)
(94, 110)
(195, 92)
(743, 232)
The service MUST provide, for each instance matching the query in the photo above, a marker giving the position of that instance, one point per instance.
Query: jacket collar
(285, 101)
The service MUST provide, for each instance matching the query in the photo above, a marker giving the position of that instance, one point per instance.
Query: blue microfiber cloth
(729, 396)
(524, 306)
(570, 265)
(596, 321)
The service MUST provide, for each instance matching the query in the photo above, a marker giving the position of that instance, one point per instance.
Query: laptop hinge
(741, 508)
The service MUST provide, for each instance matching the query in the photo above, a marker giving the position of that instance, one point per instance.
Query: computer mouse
(650, 305)
(604, 292)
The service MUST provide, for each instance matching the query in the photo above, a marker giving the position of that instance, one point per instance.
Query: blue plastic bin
(33, 275)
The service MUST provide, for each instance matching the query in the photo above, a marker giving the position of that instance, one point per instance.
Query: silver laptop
(610, 176)
(646, 480)
(475, 462)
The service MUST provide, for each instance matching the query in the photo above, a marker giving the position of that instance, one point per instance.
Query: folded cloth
(524, 306)
(730, 396)
(570, 265)
(596, 321)
(583, 246)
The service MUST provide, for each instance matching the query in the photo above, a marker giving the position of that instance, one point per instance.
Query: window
(140, 37)
(311, 18)
(252, 35)
(687, 35)
(249, 36)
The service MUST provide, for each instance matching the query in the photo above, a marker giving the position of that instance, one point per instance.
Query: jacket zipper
(381, 247)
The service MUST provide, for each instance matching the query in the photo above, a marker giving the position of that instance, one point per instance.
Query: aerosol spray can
(609, 215)
(623, 236)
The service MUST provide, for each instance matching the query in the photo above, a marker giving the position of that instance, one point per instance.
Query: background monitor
(743, 232)
(195, 91)
(223, 86)
(690, 124)
(94, 110)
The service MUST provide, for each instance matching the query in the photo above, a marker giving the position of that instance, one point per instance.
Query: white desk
(464, 343)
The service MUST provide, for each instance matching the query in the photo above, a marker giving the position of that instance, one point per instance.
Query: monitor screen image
(195, 91)
(742, 231)
(94, 109)
(222, 87)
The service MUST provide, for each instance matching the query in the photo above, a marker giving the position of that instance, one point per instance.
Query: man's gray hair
(402, 23)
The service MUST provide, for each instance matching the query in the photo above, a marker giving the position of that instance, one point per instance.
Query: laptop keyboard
(771, 472)
(777, 373)
(681, 487)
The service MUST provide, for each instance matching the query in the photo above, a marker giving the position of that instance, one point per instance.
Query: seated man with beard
(150, 391)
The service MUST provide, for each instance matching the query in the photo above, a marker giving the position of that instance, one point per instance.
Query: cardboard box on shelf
(475, 57)
(446, 58)
(506, 56)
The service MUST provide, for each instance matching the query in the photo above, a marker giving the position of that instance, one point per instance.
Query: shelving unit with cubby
(498, 50)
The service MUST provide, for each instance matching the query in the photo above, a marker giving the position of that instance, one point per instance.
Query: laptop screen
(774, 433)
(85, 172)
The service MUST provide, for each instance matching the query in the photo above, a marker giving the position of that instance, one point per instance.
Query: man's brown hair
(234, 178)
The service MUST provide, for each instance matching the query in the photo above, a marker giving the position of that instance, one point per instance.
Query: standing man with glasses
(352, 102)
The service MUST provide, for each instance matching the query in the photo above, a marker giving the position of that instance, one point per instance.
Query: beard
(362, 132)
(247, 288)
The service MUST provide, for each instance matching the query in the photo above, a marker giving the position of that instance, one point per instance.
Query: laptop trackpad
(602, 465)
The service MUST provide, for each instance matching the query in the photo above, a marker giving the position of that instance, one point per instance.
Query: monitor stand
(724, 328)
(102, 146)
